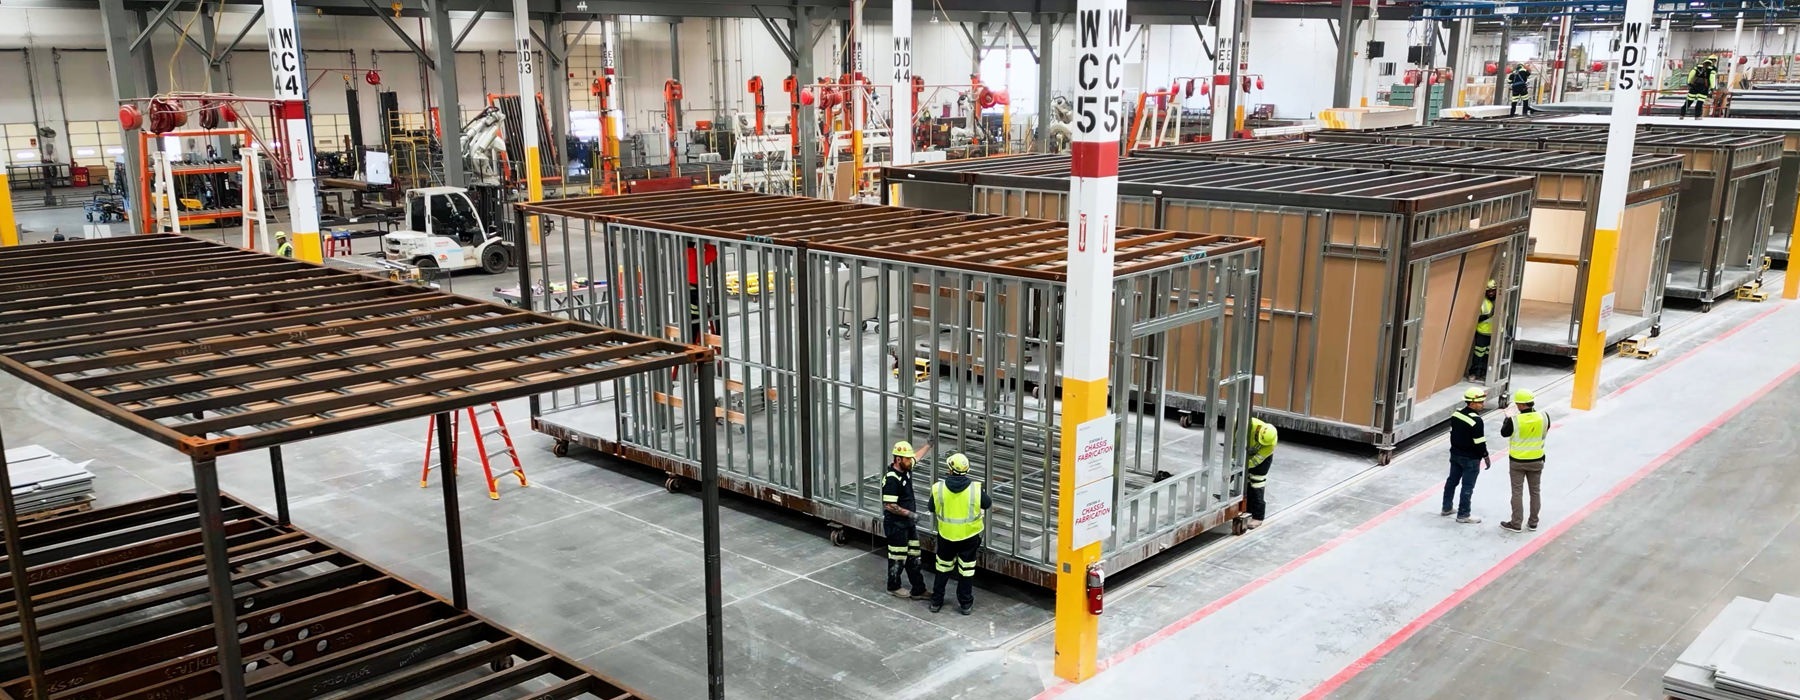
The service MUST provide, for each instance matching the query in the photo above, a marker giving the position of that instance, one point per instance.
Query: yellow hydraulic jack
(1754, 290)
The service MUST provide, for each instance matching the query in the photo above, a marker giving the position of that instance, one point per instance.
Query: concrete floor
(596, 561)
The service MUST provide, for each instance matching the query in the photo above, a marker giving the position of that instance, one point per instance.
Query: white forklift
(444, 232)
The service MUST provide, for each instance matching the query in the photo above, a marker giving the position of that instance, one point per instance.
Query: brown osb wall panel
(1459, 338)
(1363, 349)
(1137, 214)
(1356, 229)
(1440, 299)
(1557, 232)
(1637, 256)
(1335, 318)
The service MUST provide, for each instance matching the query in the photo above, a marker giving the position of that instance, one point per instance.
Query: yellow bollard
(9, 228)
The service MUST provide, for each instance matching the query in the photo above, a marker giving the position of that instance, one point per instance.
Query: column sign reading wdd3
(1632, 56)
(1100, 67)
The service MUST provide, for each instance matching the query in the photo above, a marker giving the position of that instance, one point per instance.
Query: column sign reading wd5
(1632, 55)
(1094, 480)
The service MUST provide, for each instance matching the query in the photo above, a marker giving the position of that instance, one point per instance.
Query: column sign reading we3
(1099, 70)
(1632, 55)
(284, 60)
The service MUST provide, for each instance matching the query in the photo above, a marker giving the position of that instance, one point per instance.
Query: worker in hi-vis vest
(1484, 337)
(959, 502)
(1260, 444)
(1703, 80)
(1525, 428)
(282, 247)
(899, 526)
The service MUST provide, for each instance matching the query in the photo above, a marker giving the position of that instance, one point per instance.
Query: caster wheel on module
(837, 537)
(672, 484)
(560, 448)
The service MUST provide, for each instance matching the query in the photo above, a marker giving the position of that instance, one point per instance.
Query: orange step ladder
(487, 468)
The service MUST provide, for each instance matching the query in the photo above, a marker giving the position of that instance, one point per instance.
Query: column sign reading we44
(1100, 67)
(1633, 54)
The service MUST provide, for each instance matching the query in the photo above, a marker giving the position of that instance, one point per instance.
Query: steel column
(709, 503)
(146, 59)
(116, 23)
(1225, 70)
(459, 585)
(1459, 62)
(900, 128)
(278, 472)
(287, 61)
(1502, 95)
(801, 29)
(1340, 88)
(15, 562)
(1047, 25)
(556, 91)
(218, 576)
(675, 51)
(528, 114)
(449, 117)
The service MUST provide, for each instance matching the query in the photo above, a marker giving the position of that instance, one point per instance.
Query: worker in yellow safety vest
(1703, 80)
(282, 247)
(959, 503)
(899, 524)
(1525, 428)
(1484, 338)
(1261, 448)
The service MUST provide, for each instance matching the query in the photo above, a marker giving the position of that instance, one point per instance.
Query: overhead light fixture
(1709, 26)
(581, 6)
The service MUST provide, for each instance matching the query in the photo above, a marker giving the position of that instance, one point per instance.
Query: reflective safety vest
(958, 514)
(1485, 326)
(1262, 446)
(285, 250)
(1527, 441)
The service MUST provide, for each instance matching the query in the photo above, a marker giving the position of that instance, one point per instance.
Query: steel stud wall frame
(1348, 346)
(214, 351)
(1722, 219)
(842, 328)
(1563, 222)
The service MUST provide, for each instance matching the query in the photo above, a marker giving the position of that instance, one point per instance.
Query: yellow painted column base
(1790, 286)
(1590, 348)
(1077, 632)
(9, 227)
(308, 247)
(534, 188)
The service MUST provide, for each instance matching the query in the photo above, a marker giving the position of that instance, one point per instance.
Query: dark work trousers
(1478, 355)
(1254, 495)
(1463, 470)
(694, 315)
(903, 554)
(1697, 99)
(956, 558)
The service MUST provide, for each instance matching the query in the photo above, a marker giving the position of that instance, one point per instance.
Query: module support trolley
(1722, 218)
(869, 324)
(215, 352)
(1349, 343)
(1563, 217)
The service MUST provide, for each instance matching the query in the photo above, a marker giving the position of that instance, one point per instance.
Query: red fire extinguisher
(1096, 589)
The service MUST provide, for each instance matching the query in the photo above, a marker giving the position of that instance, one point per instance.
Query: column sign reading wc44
(1633, 55)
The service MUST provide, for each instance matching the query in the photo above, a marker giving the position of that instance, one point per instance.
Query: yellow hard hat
(1475, 393)
(903, 449)
(958, 464)
(1491, 284)
(281, 234)
(1524, 396)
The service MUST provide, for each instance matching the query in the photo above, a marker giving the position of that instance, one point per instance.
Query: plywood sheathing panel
(1637, 256)
(1556, 232)
(1441, 278)
(1477, 266)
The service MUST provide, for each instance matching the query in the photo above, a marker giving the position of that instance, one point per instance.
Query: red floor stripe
(1264, 580)
(1538, 543)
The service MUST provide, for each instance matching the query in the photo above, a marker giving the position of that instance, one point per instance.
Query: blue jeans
(1463, 470)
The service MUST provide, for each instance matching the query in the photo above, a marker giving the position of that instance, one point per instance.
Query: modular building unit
(842, 328)
(1350, 343)
(1562, 223)
(1727, 192)
(1787, 181)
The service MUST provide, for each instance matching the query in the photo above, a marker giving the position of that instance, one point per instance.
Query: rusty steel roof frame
(212, 351)
(1031, 248)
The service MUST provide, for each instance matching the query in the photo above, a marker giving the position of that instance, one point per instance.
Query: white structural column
(1737, 52)
(1560, 68)
(289, 66)
(900, 131)
(528, 108)
(1224, 65)
(859, 95)
(1085, 483)
(1635, 55)
(612, 128)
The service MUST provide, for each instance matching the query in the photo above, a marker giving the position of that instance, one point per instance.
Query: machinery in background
(484, 147)
(444, 232)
